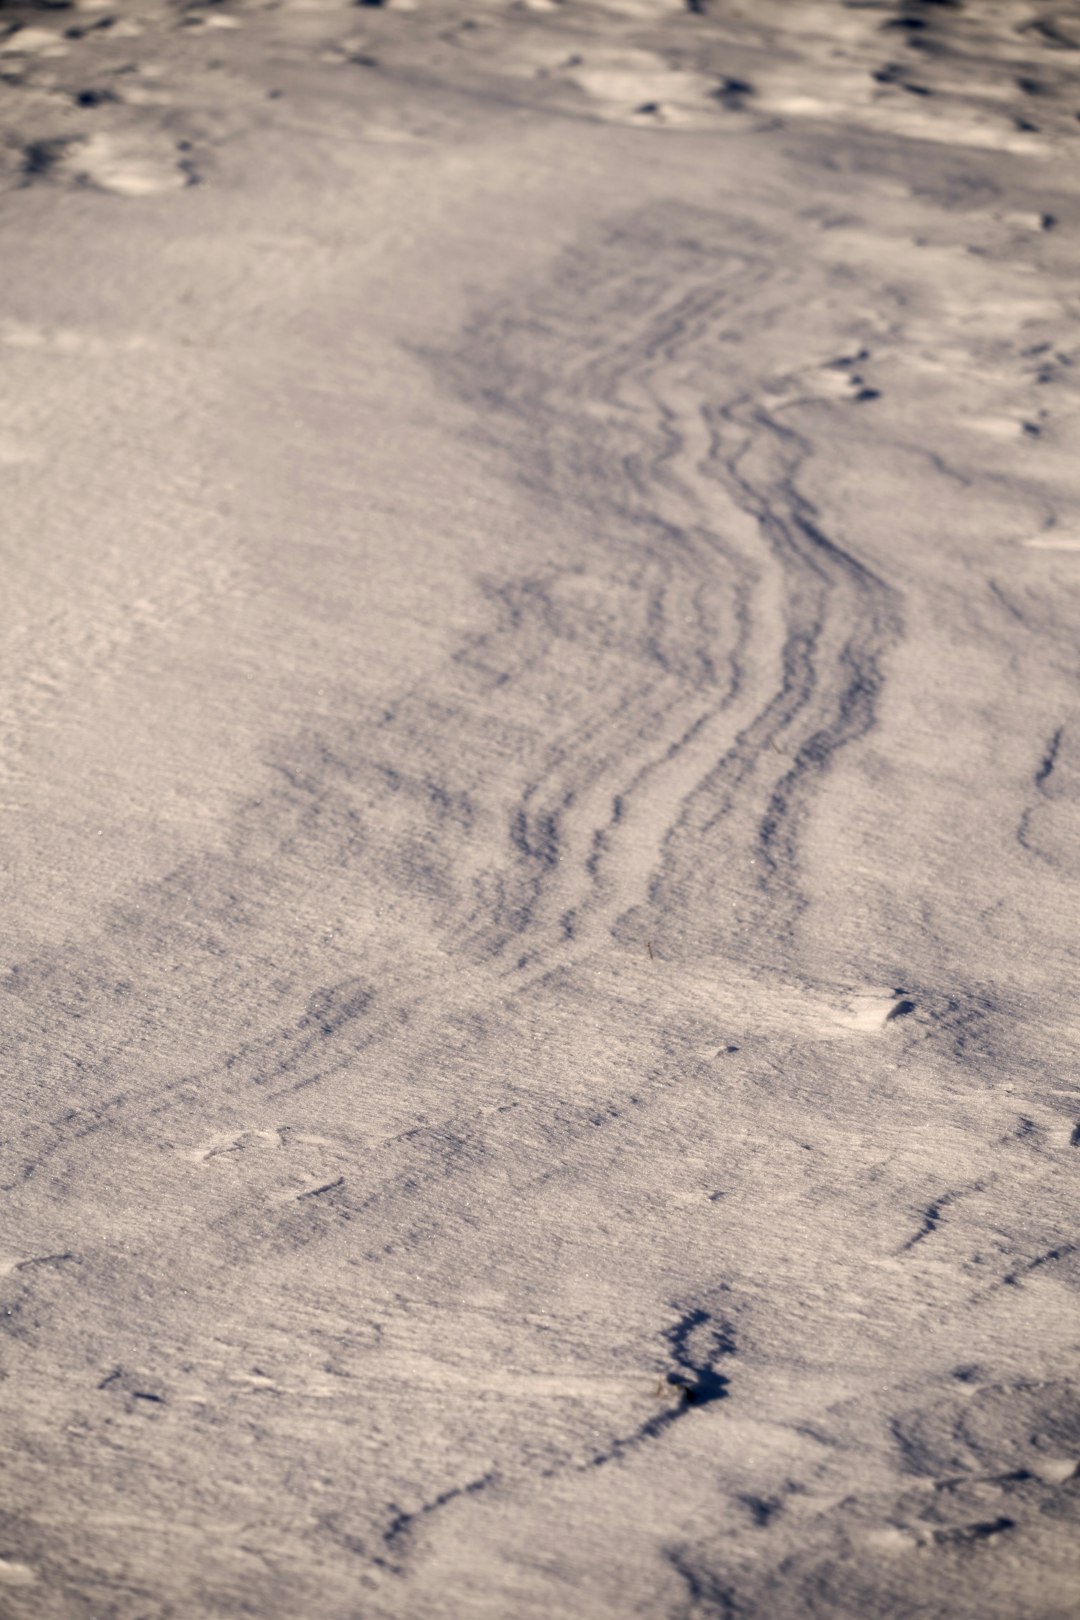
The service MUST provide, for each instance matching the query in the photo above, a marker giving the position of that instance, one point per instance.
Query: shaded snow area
(540, 783)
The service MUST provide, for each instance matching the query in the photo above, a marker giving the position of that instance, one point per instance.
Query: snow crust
(540, 775)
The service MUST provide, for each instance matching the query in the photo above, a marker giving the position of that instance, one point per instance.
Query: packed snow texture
(540, 773)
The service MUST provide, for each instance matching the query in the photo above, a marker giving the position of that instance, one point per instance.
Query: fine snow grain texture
(540, 766)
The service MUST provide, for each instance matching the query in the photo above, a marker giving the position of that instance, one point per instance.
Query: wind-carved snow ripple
(732, 647)
(642, 718)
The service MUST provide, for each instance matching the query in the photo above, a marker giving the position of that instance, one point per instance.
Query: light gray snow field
(540, 781)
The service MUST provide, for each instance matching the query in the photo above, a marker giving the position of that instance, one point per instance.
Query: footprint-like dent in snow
(234, 1143)
(631, 84)
(129, 167)
(996, 427)
(995, 1429)
(280, 1136)
(873, 1010)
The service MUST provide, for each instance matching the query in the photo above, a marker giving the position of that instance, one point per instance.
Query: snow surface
(540, 769)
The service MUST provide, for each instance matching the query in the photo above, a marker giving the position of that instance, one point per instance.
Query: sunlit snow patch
(128, 167)
(872, 1010)
(623, 84)
(12, 1573)
(34, 42)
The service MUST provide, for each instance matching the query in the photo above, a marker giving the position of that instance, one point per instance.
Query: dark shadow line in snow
(403, 1524)
(694, 1380)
